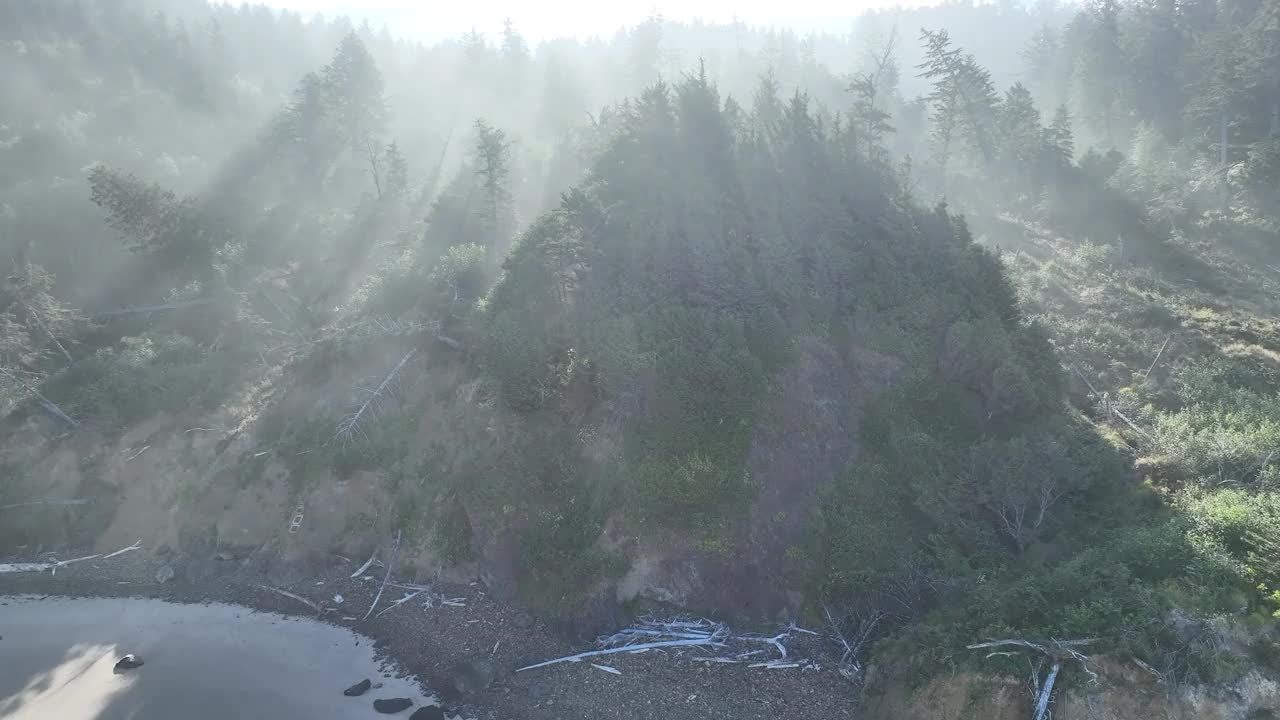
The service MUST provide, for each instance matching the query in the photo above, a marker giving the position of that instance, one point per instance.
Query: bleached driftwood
(293, 596)
(398, 603)
(606, 668)
(434, 599)
(24, 567)
(350, 426)
(390, 564)
(1042, 703)
(775, 641)
(625, 649)
(136, 546)
(53, 564)
(650, 634)
(367, 564)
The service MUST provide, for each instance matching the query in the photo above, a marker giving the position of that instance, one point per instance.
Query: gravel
(440, 643)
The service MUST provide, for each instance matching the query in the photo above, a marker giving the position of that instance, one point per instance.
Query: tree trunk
(1042, 704)
(1222, 159)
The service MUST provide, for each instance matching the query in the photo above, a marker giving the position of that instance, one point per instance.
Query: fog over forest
(936, 326)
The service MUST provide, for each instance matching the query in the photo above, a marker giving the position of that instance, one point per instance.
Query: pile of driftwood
(412, 591)
(697, 638)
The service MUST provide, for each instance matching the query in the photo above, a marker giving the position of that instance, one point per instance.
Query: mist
(929, 326)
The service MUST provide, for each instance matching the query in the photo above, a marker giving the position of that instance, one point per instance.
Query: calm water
(202, 662)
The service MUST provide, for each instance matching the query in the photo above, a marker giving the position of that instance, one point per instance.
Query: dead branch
(154, 308)
(33, 503)
(1153, 362)
(54, 564)
(390, 564)
(401, 601)
(775, 641)
(23, 567)
(136, 546)
(839, 635)
(368, 563)
(36, 316)
(1086, 381)
(623, 649)
(449, 341)
(1056, 650)
(299, 598)
(1131, 424)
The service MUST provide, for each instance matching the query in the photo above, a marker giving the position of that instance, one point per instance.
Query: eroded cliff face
(236, 480)
(807, 437)
(1122, 691)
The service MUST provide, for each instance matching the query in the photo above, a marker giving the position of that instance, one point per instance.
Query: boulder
(475, 675)
(358, 689)
(428, 712)
(391, 706)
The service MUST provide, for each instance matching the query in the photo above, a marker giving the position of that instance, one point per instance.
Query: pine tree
(172, 231)
(1043, 57)
(397, 170)
(1099, 71)
(514, 49)
(766, 109)
(492, 159)
(1061, 136)
(868, 122)
(354, 94)
(942, 65)
(963, 98)
(1021, 139)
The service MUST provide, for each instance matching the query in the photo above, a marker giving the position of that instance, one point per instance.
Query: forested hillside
(960, 325)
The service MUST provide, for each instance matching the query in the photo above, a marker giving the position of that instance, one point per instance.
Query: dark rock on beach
(358, 689)
(391, 706)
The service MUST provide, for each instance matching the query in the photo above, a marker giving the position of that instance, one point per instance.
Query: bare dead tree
(45, 402)
(1055, 651)
(853, 633)
(36, 316)
(372, 152)
(391, 563)
(352, 425)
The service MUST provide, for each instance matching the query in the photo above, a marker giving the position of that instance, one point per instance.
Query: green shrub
(562, 559)
(451, 534)
(141, 376)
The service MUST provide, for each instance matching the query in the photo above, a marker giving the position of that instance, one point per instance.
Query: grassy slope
(1177, 368)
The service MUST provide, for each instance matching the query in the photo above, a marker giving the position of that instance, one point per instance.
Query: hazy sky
(538, 19)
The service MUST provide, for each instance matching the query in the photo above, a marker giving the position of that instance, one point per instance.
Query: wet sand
(202, 662)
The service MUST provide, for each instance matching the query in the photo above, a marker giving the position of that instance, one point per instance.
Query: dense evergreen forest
(961, 324)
